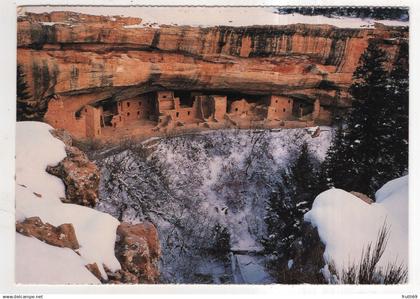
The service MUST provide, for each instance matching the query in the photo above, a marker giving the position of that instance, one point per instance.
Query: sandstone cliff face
(87, 54)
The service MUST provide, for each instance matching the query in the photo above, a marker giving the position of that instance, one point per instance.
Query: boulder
(61, 236)
(138, 251)
(363, 197)
(79, 175)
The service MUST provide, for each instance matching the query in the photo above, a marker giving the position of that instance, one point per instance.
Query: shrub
(368, 271)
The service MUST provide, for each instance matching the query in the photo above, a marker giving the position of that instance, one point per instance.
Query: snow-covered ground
(38, 194)
(190, 183)
(347, 224)
(213, 16)
(40, 263)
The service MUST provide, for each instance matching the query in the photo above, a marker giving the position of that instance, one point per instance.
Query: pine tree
(397, 92)
(288, 204)
(22, 95)
(338, 164)
(335, 114)
(364, 128)
(221, 240)
(364, 153)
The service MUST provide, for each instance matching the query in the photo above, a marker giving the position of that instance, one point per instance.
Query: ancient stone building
(82, 123)
(142, 107)
(321, 113)
(220, 107)
(162, 111)
(243, 110)
(279, 107)
(211, 107)
(171, 110)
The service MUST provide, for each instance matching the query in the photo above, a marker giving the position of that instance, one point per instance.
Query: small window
(138, 112)
(177, 114)
(85, 110)
(236, 109)
(120, 118)
(128, 104)
(128, 113)
(188, 112)
(119, 103)
(284, 110)
(164, 96)
(277, 101)
(288, 101)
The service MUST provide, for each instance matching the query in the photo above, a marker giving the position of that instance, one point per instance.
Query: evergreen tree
(286, 206)
(397, 91)
(335, 114)
(22, 95)
(365, 151)
(221, 241)
(337, 166)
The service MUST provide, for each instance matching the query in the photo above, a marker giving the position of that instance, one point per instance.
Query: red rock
(79, 175)
(61, 236)
(94, 269)
(89, 58)
(363, 197)
(138, 250)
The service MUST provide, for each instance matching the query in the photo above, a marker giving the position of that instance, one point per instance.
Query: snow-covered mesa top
(346, 224)
(37, 262)
(214, 16)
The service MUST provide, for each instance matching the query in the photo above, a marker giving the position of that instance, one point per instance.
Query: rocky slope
(56, 231)
(79, 175)
(68, 53)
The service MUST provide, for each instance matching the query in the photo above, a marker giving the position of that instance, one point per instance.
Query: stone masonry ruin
(166, 111)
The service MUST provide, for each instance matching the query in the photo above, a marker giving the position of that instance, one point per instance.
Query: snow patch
(289, 264)
(96, 231)
(347, 224)
(40, 263)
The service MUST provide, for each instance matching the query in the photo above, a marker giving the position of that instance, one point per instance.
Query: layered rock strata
(93, 57)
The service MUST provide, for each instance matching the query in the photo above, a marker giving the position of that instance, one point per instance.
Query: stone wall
(93, 121)
(220, 107)
(279, 107)
(239, 107)
(134, 109)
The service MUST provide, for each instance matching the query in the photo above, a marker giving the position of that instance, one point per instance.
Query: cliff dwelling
(166, 111)
(161, 80)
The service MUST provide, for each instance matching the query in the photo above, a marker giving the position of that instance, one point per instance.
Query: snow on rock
(38, 194)
(216, 16)
(35, 150)
(39, 263)
(347, 224)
